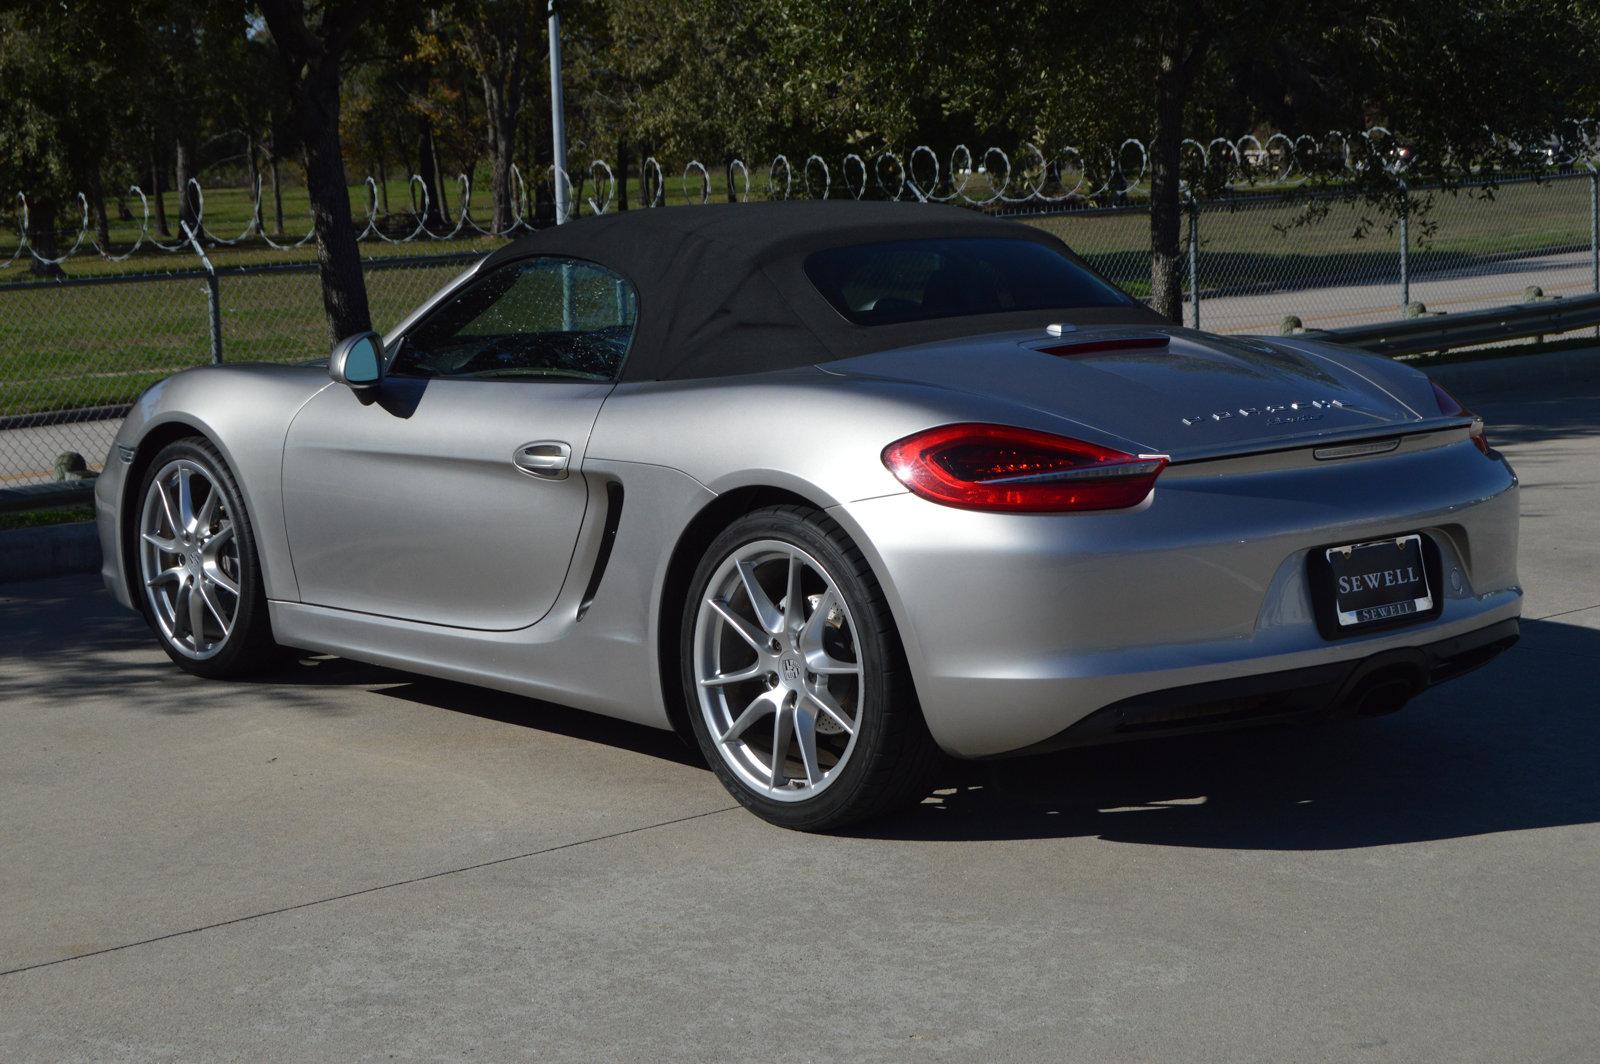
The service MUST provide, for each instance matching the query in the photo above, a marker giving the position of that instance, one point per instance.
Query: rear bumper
(1020, 627)
(1369, 686)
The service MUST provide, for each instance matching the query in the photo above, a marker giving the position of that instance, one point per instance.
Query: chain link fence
(1326, 261)
(75, 352)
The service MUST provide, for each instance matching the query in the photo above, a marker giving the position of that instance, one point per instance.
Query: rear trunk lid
(1177, 392)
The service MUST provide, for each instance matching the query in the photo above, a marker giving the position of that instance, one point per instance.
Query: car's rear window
(915, 280)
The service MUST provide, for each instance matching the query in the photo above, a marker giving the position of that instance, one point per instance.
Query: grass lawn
(1256, 245)
(65, 346)
(35, 518)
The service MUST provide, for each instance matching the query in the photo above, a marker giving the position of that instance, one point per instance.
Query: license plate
(1379, 581)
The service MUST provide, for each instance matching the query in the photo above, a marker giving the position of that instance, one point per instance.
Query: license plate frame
(1374, 584)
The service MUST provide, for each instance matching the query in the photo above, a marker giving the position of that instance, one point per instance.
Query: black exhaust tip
(1382, 695)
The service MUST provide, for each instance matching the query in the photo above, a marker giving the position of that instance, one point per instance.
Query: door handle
(545, 459)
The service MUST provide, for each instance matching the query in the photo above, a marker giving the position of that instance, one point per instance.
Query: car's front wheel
(797, 686)
(199, 576)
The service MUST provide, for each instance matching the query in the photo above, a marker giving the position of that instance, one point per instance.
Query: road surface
(346, 863)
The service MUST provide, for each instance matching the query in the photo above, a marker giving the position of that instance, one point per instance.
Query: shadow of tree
(69, 639)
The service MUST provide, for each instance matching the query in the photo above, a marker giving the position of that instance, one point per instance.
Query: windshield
(915, 280)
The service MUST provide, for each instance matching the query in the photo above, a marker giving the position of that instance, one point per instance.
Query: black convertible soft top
(722, 288)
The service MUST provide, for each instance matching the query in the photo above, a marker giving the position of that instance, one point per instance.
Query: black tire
(248, 646)
(894, 760)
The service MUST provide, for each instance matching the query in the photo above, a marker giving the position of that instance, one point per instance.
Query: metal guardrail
(1441, 332)
(47, 418)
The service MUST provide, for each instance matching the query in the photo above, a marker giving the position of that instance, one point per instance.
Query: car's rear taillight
(1450, 406)
(997, 467)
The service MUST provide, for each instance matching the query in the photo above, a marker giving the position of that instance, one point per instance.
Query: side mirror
(357, 361)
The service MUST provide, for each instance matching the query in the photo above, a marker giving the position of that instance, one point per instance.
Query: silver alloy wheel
(189, 559)
(778, 672)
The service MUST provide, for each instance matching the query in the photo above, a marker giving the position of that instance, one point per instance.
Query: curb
(1555, 373)
(49, 550)
(71, 416)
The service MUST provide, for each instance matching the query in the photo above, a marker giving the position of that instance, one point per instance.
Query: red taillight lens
(997, 467)
(1450, 406)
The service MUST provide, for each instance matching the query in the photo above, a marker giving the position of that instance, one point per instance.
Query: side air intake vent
(608, 536)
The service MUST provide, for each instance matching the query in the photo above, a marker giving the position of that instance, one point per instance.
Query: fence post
(1194, 261)
(1594, 233)
(1405, 247)
(558, 128)
(213, 294)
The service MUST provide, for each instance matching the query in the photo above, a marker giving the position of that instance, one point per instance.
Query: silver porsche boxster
(834, 490)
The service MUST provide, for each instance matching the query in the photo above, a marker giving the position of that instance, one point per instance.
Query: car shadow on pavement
(545, 716)
(1511, 747)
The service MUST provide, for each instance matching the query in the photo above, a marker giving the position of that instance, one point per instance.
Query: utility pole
(558, 125)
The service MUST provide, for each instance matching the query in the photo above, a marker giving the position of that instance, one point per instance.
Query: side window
(552, 318)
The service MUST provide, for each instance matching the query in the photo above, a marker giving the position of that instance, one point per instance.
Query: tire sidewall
(875, 648)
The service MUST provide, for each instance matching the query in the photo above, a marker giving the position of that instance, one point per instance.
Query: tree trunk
(255, 178)
(344, 289)
(158, 190)
(312, 65)
(1166, 208)
(622, 174)
(544, 206)
(42, 237)
(428, 171)
(183, 161)
(383, 184)
(500, 111)
(439, 179)
(277, 198)
(97, 208)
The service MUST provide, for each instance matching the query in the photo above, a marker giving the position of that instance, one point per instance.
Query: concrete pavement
(346, 863)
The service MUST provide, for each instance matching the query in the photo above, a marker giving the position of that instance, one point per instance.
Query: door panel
(412, 503)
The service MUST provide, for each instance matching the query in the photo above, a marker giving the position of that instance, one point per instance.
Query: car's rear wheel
(796, 683)
(199, 578)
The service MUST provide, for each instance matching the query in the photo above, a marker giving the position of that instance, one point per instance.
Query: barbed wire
(991, 179)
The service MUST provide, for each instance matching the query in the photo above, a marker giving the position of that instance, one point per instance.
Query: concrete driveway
(343, 863)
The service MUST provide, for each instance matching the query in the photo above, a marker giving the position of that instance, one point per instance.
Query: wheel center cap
(792, 671)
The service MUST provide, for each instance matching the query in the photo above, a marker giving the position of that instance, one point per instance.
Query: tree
(312, 51)
(494, 37)
(1181, 34)
(68, 85)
